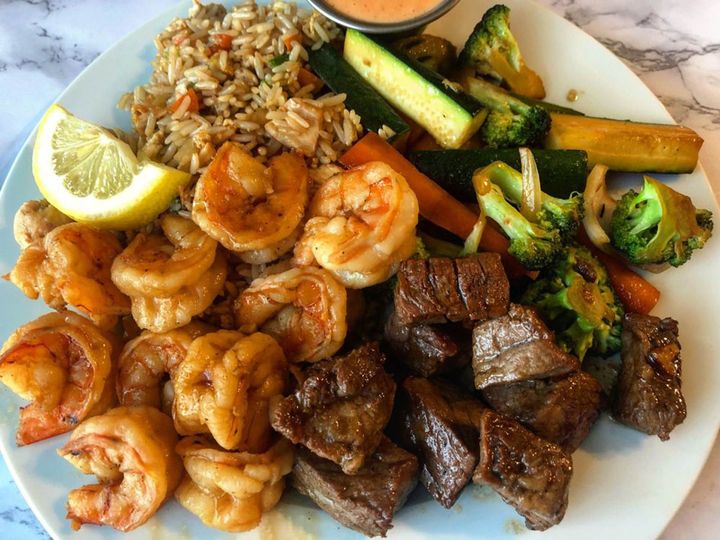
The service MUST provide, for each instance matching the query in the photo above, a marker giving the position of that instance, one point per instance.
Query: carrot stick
(436, 204)
(636, 294)
(305, 77)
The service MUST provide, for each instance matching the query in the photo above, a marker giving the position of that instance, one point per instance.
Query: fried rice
(232, 75)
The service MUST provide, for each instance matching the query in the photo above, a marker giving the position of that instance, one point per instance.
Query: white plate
(626, 485)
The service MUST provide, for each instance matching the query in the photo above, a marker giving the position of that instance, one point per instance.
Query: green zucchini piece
(374, 111)
(437, 104)
(562, 172)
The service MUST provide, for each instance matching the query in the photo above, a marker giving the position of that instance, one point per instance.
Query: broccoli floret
(534, 244)
(493, 51)
(658, 225)
(510, 122)
(563, 215)
(575, 296)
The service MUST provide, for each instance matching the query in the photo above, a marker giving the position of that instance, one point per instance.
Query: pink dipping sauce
(383, 11)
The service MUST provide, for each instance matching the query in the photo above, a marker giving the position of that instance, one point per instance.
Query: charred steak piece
(428, 349)
(517, 347)
(440, 290)
(648, 395)
(529, 473)
(560, 411)
(439, 423)
(365, 501)
(341, 408)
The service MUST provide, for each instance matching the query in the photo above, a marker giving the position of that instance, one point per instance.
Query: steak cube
(560, 411)
(429, 349)
(439, 423)
(517, 347)
(648, 394)
(440, 290)
(341, 408)
(365, 501)
(529, 473)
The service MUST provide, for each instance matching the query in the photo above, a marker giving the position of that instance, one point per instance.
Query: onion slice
(599, 207)
(531, 190)
(482, 185)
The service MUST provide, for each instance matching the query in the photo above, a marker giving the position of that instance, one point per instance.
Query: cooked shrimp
(231, 490)
(273, 252)
(161, 265)
(72, 266)
(247, 206)
(163, 313)
(146, 360)
(131, 451)
(63, 364)
(34, 220)
(224, 387)
(362, 225)
(304, 309)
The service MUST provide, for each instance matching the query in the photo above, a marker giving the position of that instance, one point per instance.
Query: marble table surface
(673, 46)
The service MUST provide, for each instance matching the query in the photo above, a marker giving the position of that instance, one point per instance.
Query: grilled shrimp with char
(71, 265)
(131, 451)
(148, 360)
(361, 225)
(171, 277)
(305, 309)
(225, 386)
(63, 364)
(250, 208)
(230, 491)
(162, 264)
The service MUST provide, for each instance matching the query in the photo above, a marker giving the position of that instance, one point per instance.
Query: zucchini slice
(438, 105)
(374, 111)
(562, 172)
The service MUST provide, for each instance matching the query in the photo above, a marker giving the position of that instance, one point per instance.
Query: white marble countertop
(673, 46)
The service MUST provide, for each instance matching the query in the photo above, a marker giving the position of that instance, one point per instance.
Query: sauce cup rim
(369, 27)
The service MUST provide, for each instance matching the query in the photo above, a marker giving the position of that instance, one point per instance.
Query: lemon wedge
(89, 174)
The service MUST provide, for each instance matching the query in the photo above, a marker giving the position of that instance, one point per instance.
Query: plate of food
(310, 274)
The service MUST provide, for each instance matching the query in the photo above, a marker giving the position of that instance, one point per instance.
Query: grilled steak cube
(529, 473)
(365, 501)
(341, 408)
(428, 349)
(517, 347)
(439, 423)
(560, 411)
(440, 290)
(648, 395)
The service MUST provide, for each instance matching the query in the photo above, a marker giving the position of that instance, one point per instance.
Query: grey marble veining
(673, 45)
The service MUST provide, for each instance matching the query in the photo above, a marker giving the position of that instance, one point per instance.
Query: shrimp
(246, 206)
(163, 313)
(131, 451)
(304, 309)
(72, 266)
(161, 265)
(34, 220)
(362, 225)
(231, 490)
(145, 361)
(224, 387)
(62, 363)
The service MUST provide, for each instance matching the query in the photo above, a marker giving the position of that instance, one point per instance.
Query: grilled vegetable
(575, 296)
(562, 172)
(510, 122)
(492, 50)
(658, 225)
(361, 97)
(435, 103)
(626, 146)
(433, 52)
